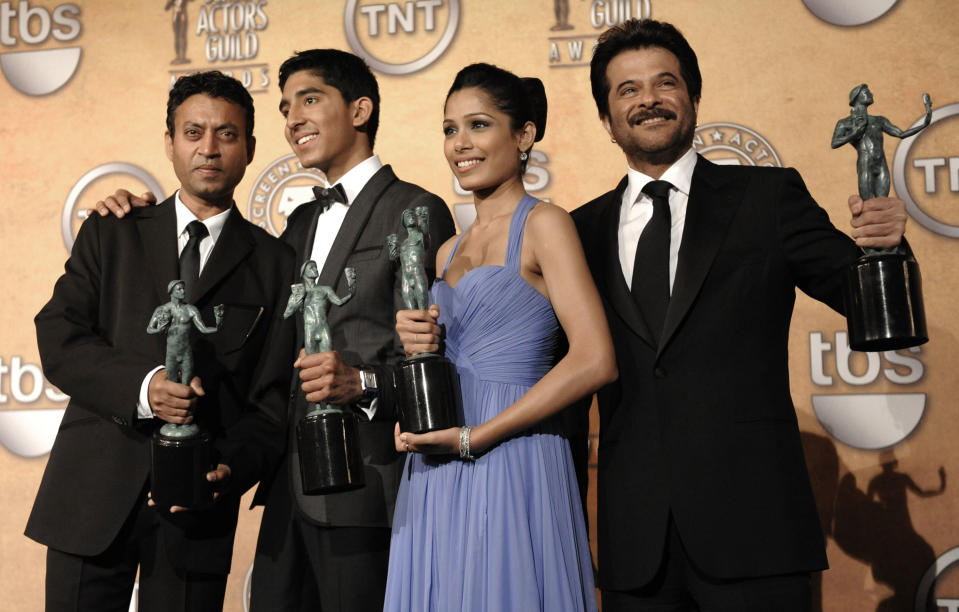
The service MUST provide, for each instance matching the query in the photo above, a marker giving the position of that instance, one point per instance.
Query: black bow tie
(327, 195)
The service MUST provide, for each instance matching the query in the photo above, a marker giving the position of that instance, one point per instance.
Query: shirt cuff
(144, 411)
(371, 409)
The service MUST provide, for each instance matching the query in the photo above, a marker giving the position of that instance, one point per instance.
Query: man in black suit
(704, 498)
(330, 552)
(93, 509)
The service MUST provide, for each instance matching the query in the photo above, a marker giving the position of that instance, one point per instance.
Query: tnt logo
(43, 71)
(865, 420)
(105, 178)
(926, 172)
(417, 32)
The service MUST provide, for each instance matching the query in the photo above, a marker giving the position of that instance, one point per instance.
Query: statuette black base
(883, 300)
(427, 391)
(179, 468)
(330, 456)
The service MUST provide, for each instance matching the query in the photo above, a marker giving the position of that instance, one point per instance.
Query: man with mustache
(93, 509)
(704, 497)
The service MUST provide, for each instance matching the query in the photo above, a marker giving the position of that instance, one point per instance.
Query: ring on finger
(407, 447)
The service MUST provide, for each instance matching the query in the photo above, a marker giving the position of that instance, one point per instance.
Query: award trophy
(327, 437)
(425, 383)
(181, 453)
(882, 290)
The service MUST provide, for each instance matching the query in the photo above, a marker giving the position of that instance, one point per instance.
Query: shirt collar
(357, 177)
(184, 215)
(680, 174)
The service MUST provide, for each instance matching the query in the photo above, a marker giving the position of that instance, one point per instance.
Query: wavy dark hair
(342, 71)
(215, 84)
(521, 99)
(639, 34)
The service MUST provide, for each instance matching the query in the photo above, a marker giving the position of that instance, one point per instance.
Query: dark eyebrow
(658, 76)
(299, 94)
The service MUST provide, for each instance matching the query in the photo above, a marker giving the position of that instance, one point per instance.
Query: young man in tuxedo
(704, 497)
(93, 509)
(330, 552)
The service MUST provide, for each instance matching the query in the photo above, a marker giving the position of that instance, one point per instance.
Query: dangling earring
(612, 140)
(523, 156)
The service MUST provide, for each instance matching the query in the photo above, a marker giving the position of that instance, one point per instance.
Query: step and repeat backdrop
(83, 93)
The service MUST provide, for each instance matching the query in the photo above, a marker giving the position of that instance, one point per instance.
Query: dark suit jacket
(94, 346)
(703, 426)
(363, 332)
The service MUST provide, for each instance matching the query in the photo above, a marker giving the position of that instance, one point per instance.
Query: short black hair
(215, 84)
(639, 34)
(521, 99)
(343, 71)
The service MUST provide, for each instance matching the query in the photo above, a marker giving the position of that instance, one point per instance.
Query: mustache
(651, 114)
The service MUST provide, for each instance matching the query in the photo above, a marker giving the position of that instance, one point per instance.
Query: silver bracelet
(465, 444)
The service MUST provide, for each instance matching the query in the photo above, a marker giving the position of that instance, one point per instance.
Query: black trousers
(302, 567)
(104, 582)
(680, 587)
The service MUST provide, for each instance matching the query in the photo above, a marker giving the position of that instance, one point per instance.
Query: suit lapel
(714, 198)
(353, 225)
(232, 247)
(611, 270)
(157, 228)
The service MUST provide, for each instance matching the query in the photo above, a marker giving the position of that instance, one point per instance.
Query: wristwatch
(368, 384)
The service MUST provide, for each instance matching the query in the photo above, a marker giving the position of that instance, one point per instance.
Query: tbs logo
(43, 71)
(869, 421)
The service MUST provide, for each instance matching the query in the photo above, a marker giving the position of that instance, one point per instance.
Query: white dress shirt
(214, 226)
(637, 209)
(328, 224)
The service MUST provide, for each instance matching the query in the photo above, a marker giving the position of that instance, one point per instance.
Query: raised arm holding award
(883, 288)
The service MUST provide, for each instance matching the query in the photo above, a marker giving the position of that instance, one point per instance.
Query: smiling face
(651, 115)
(209, 151)
(480, 146)
(321, 126)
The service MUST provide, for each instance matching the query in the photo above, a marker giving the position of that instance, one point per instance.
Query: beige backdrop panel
(776, 79)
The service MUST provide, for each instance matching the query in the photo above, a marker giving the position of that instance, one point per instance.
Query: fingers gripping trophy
(182, 453)
(883, 288)
(327, 437)
(425, 383)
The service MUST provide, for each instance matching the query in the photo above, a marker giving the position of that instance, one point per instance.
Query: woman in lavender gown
(488, 517)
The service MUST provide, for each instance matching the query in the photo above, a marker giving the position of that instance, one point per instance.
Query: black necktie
(327, 195)
(650, 287)
(190, 256)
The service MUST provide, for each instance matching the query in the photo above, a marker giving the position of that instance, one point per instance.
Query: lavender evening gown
(505, 533)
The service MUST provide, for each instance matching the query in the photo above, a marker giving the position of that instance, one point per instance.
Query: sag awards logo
(401, 37)
(228, 32)
(535, 180)
(569, 50)
(926, 176)
(42, 71)
(106, 178)
(734, 145)
(849, 12)
(278, 190)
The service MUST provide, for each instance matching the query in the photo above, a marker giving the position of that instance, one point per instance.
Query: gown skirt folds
(506, 532)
